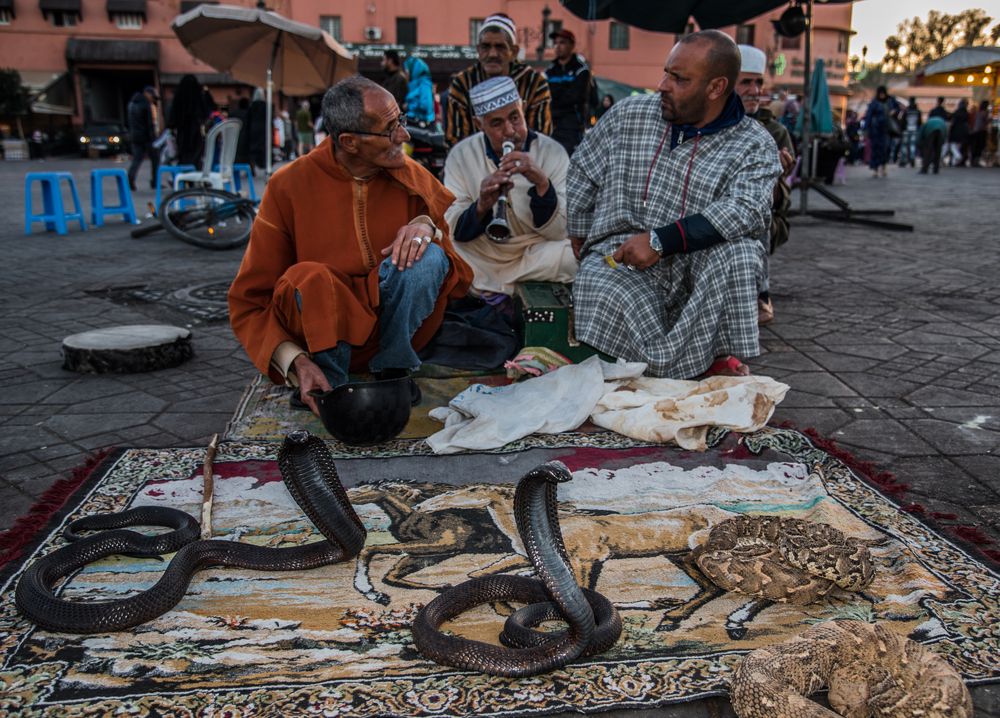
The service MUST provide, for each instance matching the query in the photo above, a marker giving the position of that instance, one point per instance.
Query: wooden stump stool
(127, 349)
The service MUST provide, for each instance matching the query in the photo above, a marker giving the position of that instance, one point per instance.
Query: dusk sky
(875, 20)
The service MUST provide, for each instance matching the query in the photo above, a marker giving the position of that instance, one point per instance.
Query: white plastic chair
(229, 131)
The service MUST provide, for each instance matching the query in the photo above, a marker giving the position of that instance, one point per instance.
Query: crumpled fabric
(682, 411)
(488, 417)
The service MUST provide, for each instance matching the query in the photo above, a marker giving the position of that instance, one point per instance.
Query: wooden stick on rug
(209, 487)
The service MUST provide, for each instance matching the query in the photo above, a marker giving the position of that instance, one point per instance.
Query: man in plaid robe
(666, 200)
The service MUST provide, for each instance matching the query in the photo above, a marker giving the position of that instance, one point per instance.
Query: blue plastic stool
(54, 214)
(125, 206)
(171, 171)
(238, 172)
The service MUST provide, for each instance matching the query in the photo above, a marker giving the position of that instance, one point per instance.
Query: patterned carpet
(335, 641)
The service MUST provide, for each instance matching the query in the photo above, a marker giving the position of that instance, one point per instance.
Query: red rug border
(52, 504)
(971, 538)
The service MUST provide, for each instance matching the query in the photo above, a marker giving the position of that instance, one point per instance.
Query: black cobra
(310, 476)
(594, 624)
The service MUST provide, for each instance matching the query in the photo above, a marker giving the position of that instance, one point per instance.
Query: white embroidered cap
(502, 23)
(492, 94)
(754, 59)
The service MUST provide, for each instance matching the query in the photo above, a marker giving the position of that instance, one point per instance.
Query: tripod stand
(807, 180)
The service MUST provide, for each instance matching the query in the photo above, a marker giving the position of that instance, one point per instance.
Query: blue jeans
(407, 298)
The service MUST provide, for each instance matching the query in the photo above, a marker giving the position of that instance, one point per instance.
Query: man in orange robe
(349, 265)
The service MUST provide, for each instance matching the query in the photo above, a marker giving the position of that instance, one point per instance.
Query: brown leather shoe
(765, 312)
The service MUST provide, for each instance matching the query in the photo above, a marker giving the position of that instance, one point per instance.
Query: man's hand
(577, 244)
(520, 163)
(310, 377)
(490, 190)
(636, 252)
(787, 160)
(410, 244)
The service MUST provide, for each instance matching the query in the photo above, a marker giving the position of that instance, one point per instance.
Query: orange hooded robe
(320, 232)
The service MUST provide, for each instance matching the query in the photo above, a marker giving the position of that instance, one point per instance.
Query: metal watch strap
(654, 243)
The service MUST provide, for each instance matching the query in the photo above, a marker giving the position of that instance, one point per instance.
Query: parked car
(104, 138)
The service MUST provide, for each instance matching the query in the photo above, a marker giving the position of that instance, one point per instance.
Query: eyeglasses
(399, 123)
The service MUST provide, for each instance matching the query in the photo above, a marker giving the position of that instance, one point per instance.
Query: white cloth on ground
(682, 411)
(613, 396)
(487, 417)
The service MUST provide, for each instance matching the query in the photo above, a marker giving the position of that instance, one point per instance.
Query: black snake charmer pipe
(310, 476)
(535, 510)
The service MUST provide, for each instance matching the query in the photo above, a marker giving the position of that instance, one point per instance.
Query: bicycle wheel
(208, 218)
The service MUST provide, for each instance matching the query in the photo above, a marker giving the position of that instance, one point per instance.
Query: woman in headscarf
(877, 129)
(420, 97)
(187, 117)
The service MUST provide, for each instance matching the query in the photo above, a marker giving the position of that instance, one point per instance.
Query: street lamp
(540, 52)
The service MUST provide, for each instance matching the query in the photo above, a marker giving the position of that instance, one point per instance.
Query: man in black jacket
(142, 128)
(574, 94)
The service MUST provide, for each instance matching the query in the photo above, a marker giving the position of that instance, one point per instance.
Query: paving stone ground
(889, 342)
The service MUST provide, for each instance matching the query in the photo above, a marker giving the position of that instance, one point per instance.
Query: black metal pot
(365, 413)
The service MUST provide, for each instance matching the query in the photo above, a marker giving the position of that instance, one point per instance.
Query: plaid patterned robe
(681, 313)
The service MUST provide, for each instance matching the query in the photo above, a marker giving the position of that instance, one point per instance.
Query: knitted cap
(502, 23)
(492, 94)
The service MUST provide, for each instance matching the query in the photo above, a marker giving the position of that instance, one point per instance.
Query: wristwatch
(654, 243)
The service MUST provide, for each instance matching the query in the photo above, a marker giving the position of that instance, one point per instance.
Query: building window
(744, 34)
(843, 42)
(791, 43)
(551, 27)
(406, 31)
(63, 18)
(618, 37)
(475, 25)
(128, 21)
(330, 24)
(6, 16)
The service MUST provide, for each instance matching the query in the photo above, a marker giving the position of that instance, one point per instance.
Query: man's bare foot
(727, 366)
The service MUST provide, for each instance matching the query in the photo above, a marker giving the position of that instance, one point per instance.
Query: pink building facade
(104, 50)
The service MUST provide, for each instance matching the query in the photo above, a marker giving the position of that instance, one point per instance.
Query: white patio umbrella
(259, 46)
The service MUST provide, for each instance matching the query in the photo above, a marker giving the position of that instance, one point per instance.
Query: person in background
(241, 112)
(977, 139)
(606, 102)
(958, 135)
(255, 131)
(143, 131)
(877, 130)
(304, 127)
(497, 48)
(852, 129)
(419, 101)
(395, 79)
(939, 111)
(911, 121)
(750, 88)
(667, 199)
(286, 123)
(187, 117)
(930, 139)
(573, 91)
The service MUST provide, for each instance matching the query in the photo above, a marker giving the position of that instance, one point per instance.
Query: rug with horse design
(335, 641)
